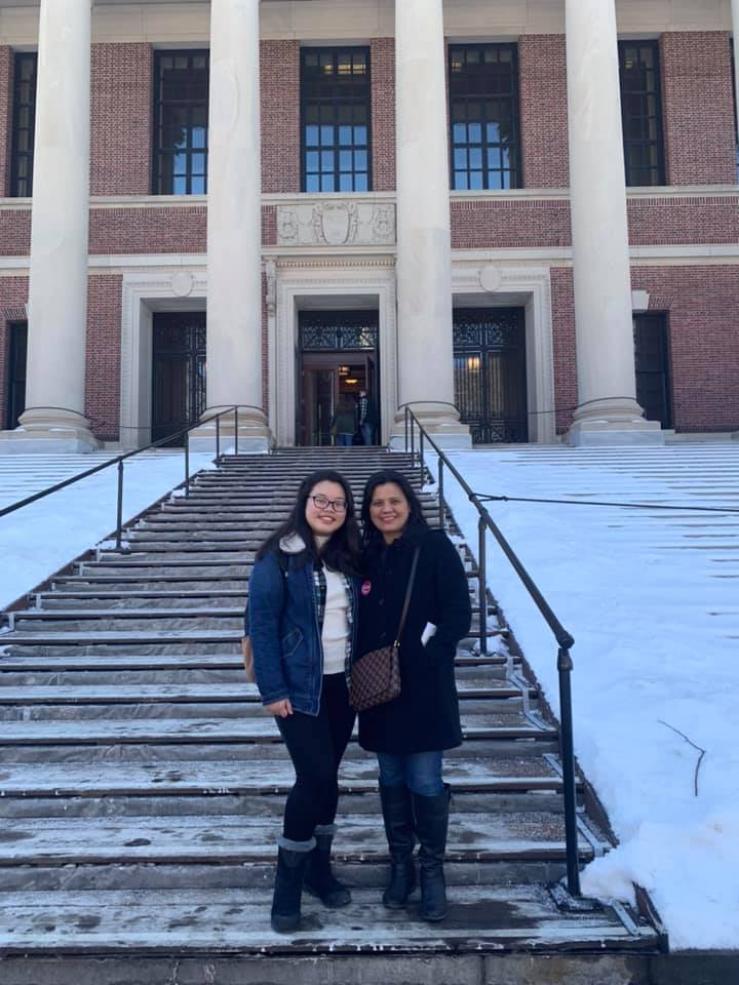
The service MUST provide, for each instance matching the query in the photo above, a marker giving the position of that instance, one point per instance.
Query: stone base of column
(49, 431)
(614, 423)
(254, 433)
(439, 420)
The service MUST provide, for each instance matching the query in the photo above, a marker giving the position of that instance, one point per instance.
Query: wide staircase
(142, 786)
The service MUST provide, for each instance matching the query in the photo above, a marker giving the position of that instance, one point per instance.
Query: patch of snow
(638, 590)
(41, 538)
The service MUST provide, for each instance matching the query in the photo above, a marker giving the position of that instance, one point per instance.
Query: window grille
(180, 165)
(641, 112)
(484, 115)
(335, 120)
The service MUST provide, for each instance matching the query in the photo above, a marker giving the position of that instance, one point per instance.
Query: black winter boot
(319, 879)
(292, 858)
(432, 822)
(397, 813)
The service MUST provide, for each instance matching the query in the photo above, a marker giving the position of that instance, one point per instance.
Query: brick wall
(13, 297)
(280, 115)
(698, 108)
(700, 219)
(121, 119)
(382, 67)
(564, 346)
(102, 377)
(543, 107)
(504, 223)
(6, 105)
(702, 304)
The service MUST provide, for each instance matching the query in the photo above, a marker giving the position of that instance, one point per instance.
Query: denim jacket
(285, 633)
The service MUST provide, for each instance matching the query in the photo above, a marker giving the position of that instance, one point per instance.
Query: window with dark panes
(641, 112)
(180, 164)
(484, 116)
(24, 119)
(335, 120)
(16, 372)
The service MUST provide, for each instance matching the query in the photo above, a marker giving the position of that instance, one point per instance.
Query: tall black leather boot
(432, 822)
(292, 858)
(319, 879)
(397, 813)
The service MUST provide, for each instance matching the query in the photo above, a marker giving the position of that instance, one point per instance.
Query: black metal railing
(565, 641)
(121, 459)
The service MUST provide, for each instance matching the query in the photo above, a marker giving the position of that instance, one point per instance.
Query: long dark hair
(341, 552)
(416, 520)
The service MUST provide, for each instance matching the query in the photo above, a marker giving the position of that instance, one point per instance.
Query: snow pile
(651, 599)
(41, 538)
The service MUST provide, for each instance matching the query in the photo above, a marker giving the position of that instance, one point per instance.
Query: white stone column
(57, 307)
(424, 269)
(234, 331)
(608, 412)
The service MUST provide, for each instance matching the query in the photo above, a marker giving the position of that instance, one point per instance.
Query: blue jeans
(368, 433)
(342, 438)
(419, 771)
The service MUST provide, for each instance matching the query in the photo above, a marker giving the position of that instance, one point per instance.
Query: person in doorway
(367, 414)
(302, 618)
(344, 422)
(410, 733)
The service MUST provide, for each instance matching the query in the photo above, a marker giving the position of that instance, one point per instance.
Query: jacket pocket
(291, 641)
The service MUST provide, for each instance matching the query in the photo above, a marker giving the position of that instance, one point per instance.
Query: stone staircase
(141, 785)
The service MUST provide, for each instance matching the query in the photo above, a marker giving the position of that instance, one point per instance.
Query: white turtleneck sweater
(335, 630)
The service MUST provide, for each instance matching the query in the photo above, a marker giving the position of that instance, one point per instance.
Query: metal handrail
(564, 639)
(120, 459)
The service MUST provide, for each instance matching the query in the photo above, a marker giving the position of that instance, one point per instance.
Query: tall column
(424, 265)
(57, 305)
(608, 412)
(234, 331)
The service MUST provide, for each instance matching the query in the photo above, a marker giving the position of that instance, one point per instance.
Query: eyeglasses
(323, 503)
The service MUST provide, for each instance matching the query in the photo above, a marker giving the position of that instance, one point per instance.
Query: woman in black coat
(410, 733)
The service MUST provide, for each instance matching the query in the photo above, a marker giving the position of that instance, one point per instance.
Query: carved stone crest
(336, 223)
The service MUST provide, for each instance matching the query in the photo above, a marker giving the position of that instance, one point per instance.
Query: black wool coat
(425, 718)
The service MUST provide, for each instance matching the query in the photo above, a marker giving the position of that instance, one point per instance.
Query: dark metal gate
(652, 362)
(16, 376)
(490, 373)
(178, 372)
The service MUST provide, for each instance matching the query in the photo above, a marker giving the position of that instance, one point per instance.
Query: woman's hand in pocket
(280, 709)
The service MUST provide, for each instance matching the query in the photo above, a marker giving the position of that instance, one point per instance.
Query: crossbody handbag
(375, 677)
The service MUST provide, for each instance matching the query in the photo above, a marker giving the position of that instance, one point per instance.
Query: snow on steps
(126, 753)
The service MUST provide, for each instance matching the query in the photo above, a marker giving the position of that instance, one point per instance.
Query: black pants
(316, 745)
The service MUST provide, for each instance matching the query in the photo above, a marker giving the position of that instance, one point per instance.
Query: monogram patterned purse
(375, 677)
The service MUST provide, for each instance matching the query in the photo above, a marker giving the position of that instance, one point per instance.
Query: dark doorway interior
(338, 358)
(490, 373)
(178, 373)
(16, 375)
(652, 361)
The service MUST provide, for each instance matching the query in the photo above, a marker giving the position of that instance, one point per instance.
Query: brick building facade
(683, 231)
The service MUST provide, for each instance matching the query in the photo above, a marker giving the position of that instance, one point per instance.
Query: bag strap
(408, 592)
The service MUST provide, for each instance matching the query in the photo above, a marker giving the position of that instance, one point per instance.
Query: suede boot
(397, 813)
(319, 879)
(292, 859)
(432, 822)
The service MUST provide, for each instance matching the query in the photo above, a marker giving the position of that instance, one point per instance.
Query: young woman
(301, 616)
(410, 733)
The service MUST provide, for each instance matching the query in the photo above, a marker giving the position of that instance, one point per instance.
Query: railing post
(218, 438)
(413, 438)
(420, 454)
(187, 463)
(406, 430)
(442, 519)
(236, 429)
(564, 667)
(119, 510)
(482, 584)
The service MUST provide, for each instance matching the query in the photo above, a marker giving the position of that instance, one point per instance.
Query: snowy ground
(652, 600)
(39, 539)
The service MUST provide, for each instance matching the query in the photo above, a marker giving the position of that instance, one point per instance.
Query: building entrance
(338, 361)
(178, 373)
(490, 373)
(16, 378)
